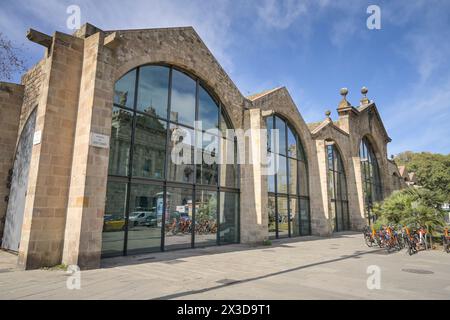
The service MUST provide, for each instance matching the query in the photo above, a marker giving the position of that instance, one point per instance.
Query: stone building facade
(77, 118)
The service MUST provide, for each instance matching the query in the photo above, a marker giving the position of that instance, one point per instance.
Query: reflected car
(138, 218)
(113, 223)
(151, 220)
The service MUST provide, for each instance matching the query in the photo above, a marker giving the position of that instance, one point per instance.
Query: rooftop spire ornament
(344, 103)
(364, 99)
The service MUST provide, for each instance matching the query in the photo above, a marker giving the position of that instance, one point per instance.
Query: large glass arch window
(288, 199)
(154, 203)
(337, 189)
(370, 172)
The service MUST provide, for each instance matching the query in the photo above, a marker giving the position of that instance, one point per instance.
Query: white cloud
(281, 14)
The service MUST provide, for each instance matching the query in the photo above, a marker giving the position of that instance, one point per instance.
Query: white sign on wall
(37, 138)
(99, 140)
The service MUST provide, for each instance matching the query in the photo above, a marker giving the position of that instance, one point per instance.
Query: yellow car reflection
(113, 224)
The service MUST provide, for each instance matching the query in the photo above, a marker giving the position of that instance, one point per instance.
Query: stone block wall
(46, 203)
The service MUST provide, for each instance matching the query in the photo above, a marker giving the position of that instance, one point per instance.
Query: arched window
(153, 201)
(288, 189)
(370, 173)
(337, 188)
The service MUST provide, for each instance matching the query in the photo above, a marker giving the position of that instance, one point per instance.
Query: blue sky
(312, 47)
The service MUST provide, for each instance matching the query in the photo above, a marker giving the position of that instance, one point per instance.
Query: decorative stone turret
(364, 100)
(344, 104)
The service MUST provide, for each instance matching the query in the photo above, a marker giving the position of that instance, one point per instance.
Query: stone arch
(183, 49)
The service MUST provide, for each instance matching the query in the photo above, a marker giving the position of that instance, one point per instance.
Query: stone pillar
(11, 97)
(254, 201)
(326, 223)
(83, 235)
(46, 202)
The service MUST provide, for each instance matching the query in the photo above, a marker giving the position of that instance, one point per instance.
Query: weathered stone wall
(11, 97)
(46, 203)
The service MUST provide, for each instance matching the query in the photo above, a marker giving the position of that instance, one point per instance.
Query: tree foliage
(10, 60)
(414, 207)
(432, 170)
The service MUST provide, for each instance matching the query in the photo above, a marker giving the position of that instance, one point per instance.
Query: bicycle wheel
(368, 241)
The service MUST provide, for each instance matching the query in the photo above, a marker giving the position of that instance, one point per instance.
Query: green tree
(414, 207)
(432, 170)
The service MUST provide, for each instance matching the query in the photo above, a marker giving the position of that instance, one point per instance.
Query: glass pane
(114, 219)
(283, 220)
(149, 147)
(153, 90)
(124, 90)
(271, 183)
(303, 178)
(181, 156)
(345, 215)
(294, 217)
(209, 156)
(205, 218)
(120, 142)
(281, 126)
(339, 217)
(178, 218)
(301, 150)
(229, 167)
(271, 209)
(343, 185)
(293, 176)
(331, 189)
(144, 223)
(282, 175)
(304, 217)
(330, 157)
(229, 217)
(292, 144)
(208, 112)
(183, 98)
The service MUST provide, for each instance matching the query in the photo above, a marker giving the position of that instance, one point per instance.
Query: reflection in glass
(229, 217)
(281, 126)
(282, 183)
(178, 218)
(181, 154)
(161, 146)
(124, 90)
(292, 144)
(114, 219)
(271, 210)
(304, 217)
(283, 220)
(182, 99)
(153, 90)
(371, 177)
(228, 168)
(294, 217)
(208, 110)
(120, 142)
(293, 176)
(144, 219)
(290, 183)
(149, 148)
(209, 154)
(205, 218)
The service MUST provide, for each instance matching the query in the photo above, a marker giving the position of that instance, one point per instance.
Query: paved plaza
(303, 268)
